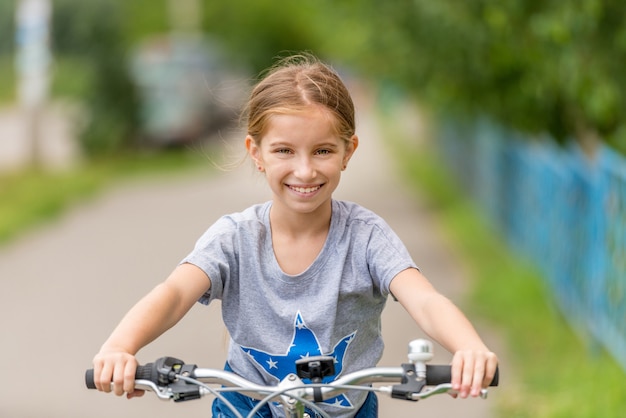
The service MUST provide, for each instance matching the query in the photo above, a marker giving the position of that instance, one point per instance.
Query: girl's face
(302, 157)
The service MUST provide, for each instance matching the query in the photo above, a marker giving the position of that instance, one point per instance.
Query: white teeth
(305, 189)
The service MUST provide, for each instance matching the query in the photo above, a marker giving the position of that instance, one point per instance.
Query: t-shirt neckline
(320, 260)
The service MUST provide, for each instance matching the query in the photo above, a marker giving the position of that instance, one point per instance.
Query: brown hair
(293, 85)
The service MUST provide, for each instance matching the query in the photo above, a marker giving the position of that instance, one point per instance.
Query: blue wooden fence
(558, 208)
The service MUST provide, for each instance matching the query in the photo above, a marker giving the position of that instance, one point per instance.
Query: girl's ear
(351, 146)
(254, 151)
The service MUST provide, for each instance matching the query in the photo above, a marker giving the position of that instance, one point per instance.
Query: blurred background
(525, 103)
(537, 67)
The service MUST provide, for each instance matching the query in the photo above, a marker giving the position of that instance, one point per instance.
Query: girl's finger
(468, 376)
(479, 376)
(129, 376)
(118, 378)
(457, 372)
(490, 369)
(104, 379)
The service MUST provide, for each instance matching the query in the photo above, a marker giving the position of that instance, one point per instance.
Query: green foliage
(7, 78)
(141, 18)
(538, 67)
(7, 27)
(72, 77)
(90, 33)
(256, 32)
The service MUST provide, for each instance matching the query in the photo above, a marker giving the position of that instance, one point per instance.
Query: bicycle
(172, 379)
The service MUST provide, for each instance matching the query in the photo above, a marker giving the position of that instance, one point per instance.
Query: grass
(32, 197)
(554, 373)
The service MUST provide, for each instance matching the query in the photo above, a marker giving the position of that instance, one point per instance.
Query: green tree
(256, 32)
(91, 33)
(536, 66)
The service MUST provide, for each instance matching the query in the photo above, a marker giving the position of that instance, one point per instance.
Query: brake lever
(443, 388)
(178, 390)
(160, 392)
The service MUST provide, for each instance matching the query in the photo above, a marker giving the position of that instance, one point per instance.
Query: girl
(302, 274)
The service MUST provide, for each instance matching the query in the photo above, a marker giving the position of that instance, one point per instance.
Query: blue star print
(304, 344)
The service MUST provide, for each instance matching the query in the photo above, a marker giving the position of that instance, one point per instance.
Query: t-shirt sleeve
(387, 256)
(214, 253)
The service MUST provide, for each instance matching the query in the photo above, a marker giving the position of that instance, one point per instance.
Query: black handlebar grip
(142, 372)
(440, 374)
(89, 379)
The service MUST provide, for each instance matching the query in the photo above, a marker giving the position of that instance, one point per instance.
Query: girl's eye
(283, 151)
(323, 151)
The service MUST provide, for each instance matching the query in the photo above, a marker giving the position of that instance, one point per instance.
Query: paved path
(66, 285)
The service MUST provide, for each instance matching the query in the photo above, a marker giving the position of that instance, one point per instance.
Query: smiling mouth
(305, 189)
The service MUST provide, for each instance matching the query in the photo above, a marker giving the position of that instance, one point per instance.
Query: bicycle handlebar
(436, 374)
(170, 378)
(164, 372)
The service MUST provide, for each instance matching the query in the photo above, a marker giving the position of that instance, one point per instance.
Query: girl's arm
(473, 365)
(157, 312)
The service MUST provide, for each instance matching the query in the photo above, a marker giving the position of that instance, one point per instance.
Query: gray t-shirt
(332, 308)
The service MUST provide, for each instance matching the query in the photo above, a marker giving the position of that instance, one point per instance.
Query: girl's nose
(305, 169)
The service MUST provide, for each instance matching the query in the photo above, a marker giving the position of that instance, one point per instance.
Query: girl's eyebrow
(281, 143)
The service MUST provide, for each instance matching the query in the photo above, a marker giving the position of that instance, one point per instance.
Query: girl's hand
(118, 367)
(472, 371)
